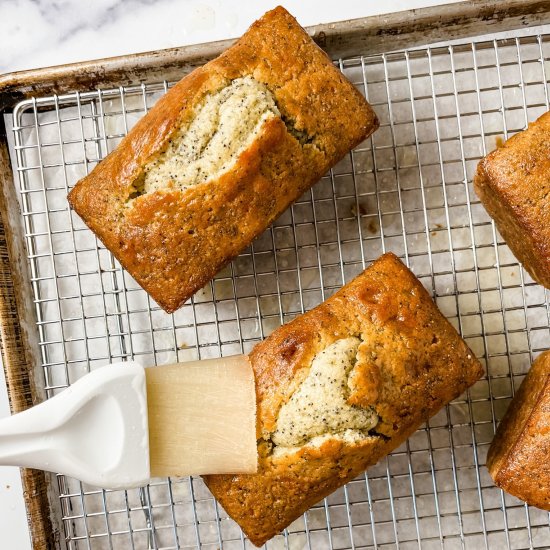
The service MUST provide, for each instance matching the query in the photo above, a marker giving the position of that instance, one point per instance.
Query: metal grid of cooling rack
(408, 189)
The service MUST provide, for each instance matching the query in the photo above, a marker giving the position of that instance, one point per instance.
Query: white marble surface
(39, 33)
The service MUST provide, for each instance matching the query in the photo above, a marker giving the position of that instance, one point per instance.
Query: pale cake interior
(225, 124)
(318, 408)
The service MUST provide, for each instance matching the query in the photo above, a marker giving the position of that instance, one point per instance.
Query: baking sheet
(408, 190)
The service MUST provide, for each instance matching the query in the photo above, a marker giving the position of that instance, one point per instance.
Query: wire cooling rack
(408, 190)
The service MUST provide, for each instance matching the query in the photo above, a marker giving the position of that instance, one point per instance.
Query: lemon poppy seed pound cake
(220, 157)
(513, 183)
(519, 456)
(338, 388)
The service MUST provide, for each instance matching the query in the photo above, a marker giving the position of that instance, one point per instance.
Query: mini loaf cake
(513, 184)
(519, 456)
(220, 156)
(338, 388)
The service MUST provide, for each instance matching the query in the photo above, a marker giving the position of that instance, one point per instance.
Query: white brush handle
(95, 430)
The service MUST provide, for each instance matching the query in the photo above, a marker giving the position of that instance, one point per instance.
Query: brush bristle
(202, 417)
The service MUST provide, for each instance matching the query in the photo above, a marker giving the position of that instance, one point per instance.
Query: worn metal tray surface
(406, 190)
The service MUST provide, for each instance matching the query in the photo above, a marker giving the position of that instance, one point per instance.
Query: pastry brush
(118, 426)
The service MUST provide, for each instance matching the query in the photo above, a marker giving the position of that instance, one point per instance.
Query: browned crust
(519, 456)
(174, 242)
(513, 183)
(411, 361)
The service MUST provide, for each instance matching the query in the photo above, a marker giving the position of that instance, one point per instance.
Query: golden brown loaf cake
(220, 156)
(513, 184)
(519, 456)
(338, 388)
